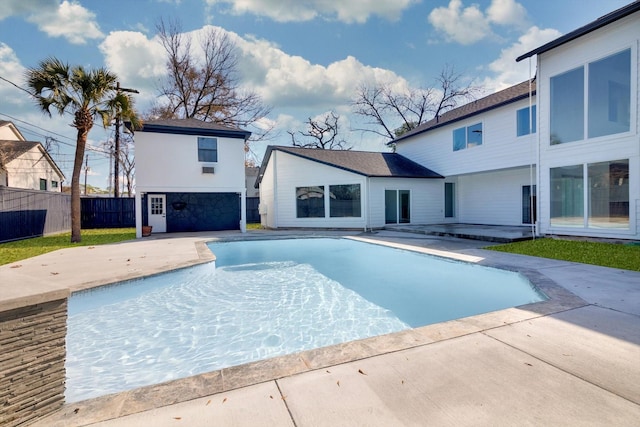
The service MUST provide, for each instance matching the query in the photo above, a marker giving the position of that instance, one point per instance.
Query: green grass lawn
(22, 249)
(605, 254)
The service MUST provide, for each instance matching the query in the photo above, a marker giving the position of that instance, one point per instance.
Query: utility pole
(116, 149)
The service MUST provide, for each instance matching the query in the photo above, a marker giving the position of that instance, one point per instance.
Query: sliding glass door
(397, 206)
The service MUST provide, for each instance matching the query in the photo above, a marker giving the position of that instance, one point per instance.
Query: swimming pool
(263, 299)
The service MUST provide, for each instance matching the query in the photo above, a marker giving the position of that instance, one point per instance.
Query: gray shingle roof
(11, 150)
(367, 163)
(495, 100)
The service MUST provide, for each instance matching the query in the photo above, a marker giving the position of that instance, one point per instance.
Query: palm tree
(85, 93)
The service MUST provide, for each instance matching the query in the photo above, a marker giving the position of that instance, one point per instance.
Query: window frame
(531, 120)
(562, 109)
(304, 208)
(467, 130)
(205, 154)
(356, 204)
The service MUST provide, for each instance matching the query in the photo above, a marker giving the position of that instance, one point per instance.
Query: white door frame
(157, 212)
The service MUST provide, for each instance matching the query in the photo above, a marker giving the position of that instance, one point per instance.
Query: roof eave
(584, 30)
(457, 119)
(174, 130)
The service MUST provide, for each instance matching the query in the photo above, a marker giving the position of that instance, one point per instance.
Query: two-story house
(26, 164)
(486, 151)
(192, 177)
(588, 144)
(562, 153)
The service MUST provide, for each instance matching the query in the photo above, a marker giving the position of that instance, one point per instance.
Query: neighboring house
(26, 164)
(577, 170)
(303, 187)
(190, 176)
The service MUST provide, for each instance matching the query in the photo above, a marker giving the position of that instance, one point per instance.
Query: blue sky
(304, 57)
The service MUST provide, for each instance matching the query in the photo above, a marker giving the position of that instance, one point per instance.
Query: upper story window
(466, 137)
(43, 184)
(607, 86)
(526, 122)
(54, 184)
(207, 149)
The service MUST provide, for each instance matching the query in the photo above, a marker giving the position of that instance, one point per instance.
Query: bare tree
(127, 161)
(205, 85)
(321, 134)
(392, 114)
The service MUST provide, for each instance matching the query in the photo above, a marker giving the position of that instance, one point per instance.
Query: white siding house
(311, 188)
(562, 152)
(26, 164)
(486, 150)
(190, 176)
(588, 139)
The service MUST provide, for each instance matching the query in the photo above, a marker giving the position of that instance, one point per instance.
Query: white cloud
(305, 10)
(507, 71)
(12, 70)
(70, 20)
(292, 85)
(506, 12)
(291, 81)
(465, 26)
(138, 61)
(468, 25)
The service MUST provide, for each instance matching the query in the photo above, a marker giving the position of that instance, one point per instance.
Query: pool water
(263, 299)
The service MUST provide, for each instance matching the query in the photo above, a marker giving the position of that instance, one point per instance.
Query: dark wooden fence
(32, 213)
(107, 212)
(253, 217)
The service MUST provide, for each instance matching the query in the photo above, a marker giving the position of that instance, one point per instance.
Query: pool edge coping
(181, 390)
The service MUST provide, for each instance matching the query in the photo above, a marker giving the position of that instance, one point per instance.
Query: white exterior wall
(492, 198)
(9, 132)
(285, 172)
(613, 38)
(288, 172)
(426, 199)
(501, 147)
(27, 170)
(267, 207)
(170, 163)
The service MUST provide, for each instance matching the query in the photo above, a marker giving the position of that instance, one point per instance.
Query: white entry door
(158, 213)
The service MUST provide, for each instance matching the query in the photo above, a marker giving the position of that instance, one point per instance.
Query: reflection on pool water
(265, 299)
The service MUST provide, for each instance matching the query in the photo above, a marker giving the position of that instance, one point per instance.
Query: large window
(608, 89)
(467, 137)
(567, 107)
(594, 196)
(207, 149)
(609, 194)
(567, 196)
(526, 122)
(310, 202)
(344, 200)
(609, 95)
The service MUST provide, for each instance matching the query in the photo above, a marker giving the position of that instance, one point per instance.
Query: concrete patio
(572, 360)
